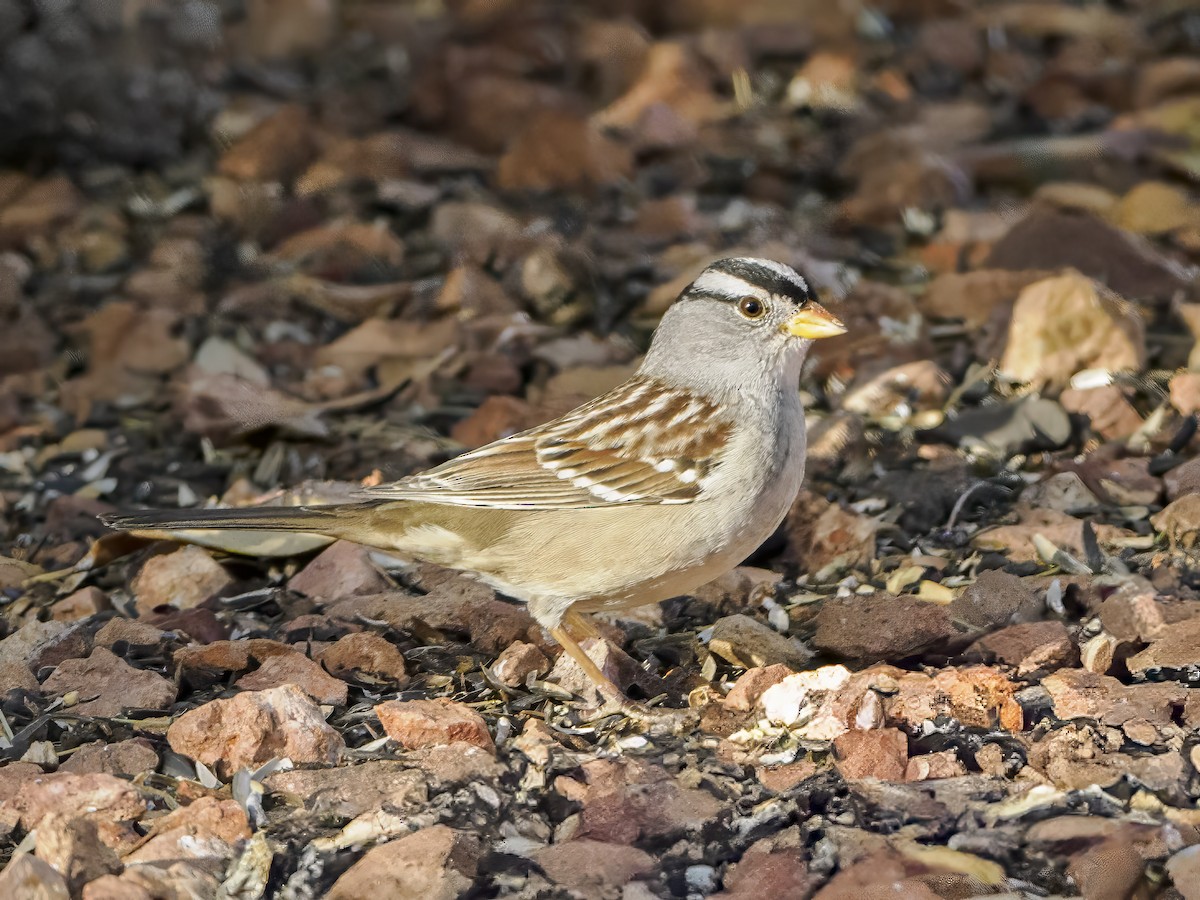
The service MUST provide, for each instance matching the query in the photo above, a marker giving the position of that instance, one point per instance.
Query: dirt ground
(276, 250)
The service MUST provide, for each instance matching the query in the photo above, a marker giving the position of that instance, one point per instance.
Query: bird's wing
(643, 443)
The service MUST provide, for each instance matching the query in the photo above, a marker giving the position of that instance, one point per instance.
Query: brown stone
(1029, 647)
(1177, 648)
(102, 797)
(518, 661)
(822, 535)
(592, 867)
(129, 631)
(752, 683)
(881, 753)
(561, 150)
(880, 626)
(106, 685)
(23, 644)
(435, 863)
(183, 578)
(129, 758)
(942, 764)
(977, 696)
(1080, 694)
(206, 829)
(349, 791)
(341, 570)
(296, 669)
(747, 642)
(771, 867)
(255, 727)
(1111, 414)
(29, 878)
(72, 845)
(457, 763)
(277, 149)
(1068, 323)
(83, 603)
(16, 675)
(1183, 479)
(365, 652)
(1049, 239)
(430, 723)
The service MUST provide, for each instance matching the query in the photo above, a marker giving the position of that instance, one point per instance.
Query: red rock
(207, 664)
(16, 675)
(879, 627)
(1107, 408)
(752, 683)
(1185, 392)
(881, 753)
(1183, 479)
(1109, 870)
(107, 685)
(23, 644)
(455, 764)
(72, 845)
(277, 149)
(1049, 239)
(365, 652)
(1080, 694)
(593, 867)
(101, 797)
(497, 417)
(1184, 869)
(1177, 648)
(943, 764)
(72, 643)
(341, 570)
(178, 880)
(560, 150)
(430, 723)
(296, 669)
(781, 779)
(255, 727)
(771, 867)
(822, 534)
(1132, 612)
(614, 662)
(183, 578)
(129, 631)
(744, 641)
(83, 603)
(114, 887)
(628, 801)
(29, 878)
(882, 875)
(206, 829)
(996, 598)
(977, 696)
(351, 790)
(518, 661)
(129, 758)
(435, 863)
(1029, 646)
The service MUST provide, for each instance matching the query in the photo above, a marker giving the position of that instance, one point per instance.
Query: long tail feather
(316, 519)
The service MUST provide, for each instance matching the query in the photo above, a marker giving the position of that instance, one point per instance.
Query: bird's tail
(327, 520)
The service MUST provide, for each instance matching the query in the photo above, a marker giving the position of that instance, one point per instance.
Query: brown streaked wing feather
(643, 443)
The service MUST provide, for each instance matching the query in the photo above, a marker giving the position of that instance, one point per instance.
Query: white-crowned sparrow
(645, 493)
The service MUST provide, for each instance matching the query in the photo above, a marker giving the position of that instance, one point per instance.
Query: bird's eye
(752, 307)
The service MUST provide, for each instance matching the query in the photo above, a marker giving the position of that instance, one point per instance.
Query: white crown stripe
(731, 286)
(778, 268)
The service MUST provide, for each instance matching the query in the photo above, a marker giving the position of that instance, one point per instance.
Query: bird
(645, 493)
